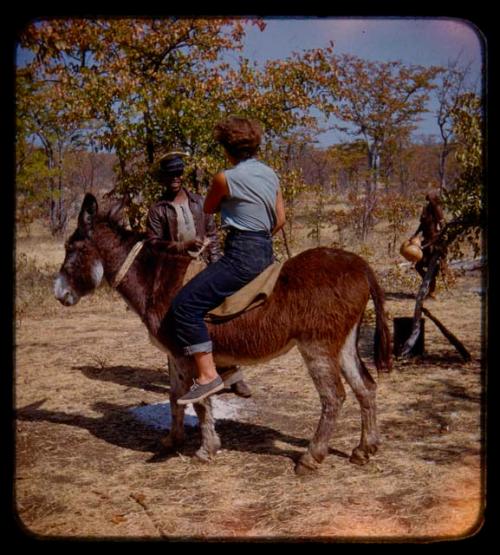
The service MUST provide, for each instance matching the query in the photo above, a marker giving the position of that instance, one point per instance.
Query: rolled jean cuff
(205, 347)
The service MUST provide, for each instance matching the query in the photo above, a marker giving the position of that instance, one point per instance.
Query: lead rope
(197, 264)
(135, 250)
(196, 255)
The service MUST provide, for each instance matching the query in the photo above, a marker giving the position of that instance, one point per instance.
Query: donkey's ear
(87, 214)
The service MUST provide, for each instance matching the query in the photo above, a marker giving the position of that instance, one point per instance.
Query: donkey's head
(82, 271)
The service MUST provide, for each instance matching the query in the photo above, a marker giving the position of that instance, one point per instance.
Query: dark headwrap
(173, 165)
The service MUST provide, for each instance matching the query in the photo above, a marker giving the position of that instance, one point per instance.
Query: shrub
(33, 287)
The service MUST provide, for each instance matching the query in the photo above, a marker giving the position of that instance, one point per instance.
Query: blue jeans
(246, 255)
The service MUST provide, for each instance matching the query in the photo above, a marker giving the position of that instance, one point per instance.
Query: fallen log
(466, 265)
(453, 339)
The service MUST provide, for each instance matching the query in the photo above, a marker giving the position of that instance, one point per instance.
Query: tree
(375, 100)
(145, 82)
(349, 160)
(423, 163)
(396, 155)
(397, 209)
(32, 177)
(42, 122)
(464, 201)
(139, 87)
(451, 86)
(285, 156)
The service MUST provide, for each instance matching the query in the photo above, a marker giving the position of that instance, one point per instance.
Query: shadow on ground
(398, 295)
(118, 427)
(154, 381)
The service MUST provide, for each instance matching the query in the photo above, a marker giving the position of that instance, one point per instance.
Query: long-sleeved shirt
(162, 224)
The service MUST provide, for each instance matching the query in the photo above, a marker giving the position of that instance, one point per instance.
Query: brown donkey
(317, 304)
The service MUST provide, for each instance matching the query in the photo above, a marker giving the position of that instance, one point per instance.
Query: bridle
(134, 251)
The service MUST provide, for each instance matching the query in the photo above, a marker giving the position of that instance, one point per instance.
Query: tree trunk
(370, 191)
(59, 214)
(150, 147)
(448, 234)
(422, 293)
(442, 166)
(368, 207)
(402, 330)
(52, 206)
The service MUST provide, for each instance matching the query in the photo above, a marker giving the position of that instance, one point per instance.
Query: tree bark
(422, 293)
(442, 166)
(448, 234)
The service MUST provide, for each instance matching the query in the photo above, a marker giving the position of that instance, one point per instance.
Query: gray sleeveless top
(251, 204)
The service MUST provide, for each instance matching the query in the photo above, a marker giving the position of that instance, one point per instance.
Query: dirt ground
(91, 394)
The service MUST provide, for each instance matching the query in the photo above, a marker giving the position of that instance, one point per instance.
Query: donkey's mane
(122, 232)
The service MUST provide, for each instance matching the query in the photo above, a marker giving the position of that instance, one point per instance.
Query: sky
(420, 41)
(413, 40)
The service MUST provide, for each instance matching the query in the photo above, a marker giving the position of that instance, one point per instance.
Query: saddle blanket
(248, 297)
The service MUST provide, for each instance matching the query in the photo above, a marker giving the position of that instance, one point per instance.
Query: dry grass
(86, 467)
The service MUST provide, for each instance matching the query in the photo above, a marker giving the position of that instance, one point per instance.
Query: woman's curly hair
(239, 136)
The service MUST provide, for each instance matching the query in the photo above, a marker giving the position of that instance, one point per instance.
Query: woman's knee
(181, 313)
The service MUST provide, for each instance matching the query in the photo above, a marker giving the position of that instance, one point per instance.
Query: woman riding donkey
(250, 202)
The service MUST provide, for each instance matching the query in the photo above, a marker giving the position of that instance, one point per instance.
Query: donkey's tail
(382, 342)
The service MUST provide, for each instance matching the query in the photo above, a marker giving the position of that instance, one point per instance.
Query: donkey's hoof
(203, 456)
(359, 457)
(170, 442)
(302, 470)
(306, 465)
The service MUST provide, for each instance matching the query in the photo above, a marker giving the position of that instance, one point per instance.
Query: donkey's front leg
(182, 372)
(210, 441)
(180, 380)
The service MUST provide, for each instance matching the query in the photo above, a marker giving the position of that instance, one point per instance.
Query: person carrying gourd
(431, 224)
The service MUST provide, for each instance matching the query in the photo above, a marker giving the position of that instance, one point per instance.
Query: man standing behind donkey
(178, 224)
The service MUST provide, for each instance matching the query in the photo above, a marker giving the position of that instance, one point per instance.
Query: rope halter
(135, 250)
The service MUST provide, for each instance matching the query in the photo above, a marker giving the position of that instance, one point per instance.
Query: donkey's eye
(76, 245)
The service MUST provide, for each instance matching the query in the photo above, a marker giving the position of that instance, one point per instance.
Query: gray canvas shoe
(198, 392)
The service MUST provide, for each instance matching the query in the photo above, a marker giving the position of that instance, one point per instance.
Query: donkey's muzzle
(63, 293)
